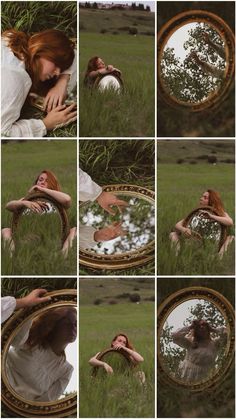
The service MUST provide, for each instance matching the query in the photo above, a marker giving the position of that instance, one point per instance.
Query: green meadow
(37, 238)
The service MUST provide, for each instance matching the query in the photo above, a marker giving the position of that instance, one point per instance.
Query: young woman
(33, 63)
(201, 349)
(118, 342)
(36, 367)
(96, 66)
(209, 198)
(48, 183)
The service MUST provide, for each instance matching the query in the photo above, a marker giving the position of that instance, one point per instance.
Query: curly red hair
(51, 179)
(128, 343)
(216, 202)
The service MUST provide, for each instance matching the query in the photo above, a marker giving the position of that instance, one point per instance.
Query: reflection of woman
(96, 67)
(120, 341)
(209, 198)
(29, 62)
(202, 349)
(48, 183)
(36, 363)
(90, 191)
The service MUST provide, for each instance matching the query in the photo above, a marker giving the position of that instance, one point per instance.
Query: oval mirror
(195, 336)
(195, 60)
(136, 247)
(112, 81)
(50, 226)
(36, 380)
(117, 359)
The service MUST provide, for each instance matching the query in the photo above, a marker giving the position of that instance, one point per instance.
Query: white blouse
(88, 191)
(36, 374)
(8, 305)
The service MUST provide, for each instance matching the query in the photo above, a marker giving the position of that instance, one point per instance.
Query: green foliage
(20, 287)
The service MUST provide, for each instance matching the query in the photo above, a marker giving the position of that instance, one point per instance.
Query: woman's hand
(186, 231)
(33, 298)
(57, 94)
(107, 368)
(62, 114)
(209, 215)
(109, 233)
(36, 188)
(107, 199)
(35, 206)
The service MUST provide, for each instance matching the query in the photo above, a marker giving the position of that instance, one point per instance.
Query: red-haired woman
(118, 342)
(48, 183)
(96, 67)
(29, 63)
(209, 198)
(201, 349)
(37, 368)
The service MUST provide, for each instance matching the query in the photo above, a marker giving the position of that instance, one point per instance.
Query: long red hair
(51, 179)
(42, 330)
(92, 66)
(127, 344)
(215, 202)
(50, 44)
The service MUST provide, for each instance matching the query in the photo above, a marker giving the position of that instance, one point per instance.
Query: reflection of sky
(71, 356)
(177, 40)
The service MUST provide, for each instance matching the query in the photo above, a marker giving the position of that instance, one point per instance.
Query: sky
(178, 39)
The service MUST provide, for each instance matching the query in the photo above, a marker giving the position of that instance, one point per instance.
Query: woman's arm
(136, 357)
(94, 362)
(61, 197)
(226, 220)
(35, 206)
(179, 337)
(181, 229)
(108, 70)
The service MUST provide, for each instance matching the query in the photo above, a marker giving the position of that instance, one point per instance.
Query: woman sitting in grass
(120, 342)
(46, 182)
(209, 198)
(97, 67)
(44, 61)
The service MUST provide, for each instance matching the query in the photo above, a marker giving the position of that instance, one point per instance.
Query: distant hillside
(117, 21)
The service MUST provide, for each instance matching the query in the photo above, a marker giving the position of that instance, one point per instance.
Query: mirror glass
(203, 227)
(37, 366)
(193, 62)
(110, 82)
(196, 355)
(37, 228)
(117, 362)
(137, 222)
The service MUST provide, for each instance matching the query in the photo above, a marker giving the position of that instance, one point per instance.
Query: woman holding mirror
(201, 349)
(96, 67)
(45, 182)
(209, 198)
(36, 365)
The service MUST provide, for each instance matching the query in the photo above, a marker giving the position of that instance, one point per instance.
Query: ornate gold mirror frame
(124, 260)
(35, 196)
(12, 400)
(224, 307)
(116, 353)
(224, 31)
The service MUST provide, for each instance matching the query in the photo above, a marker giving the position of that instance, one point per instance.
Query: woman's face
(204, 200)
(120, 340)
(66, 329)
(100, 64)
(42, 180)
(203, 329)
(48, 69)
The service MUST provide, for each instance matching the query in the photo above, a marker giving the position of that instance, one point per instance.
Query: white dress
(16, 84)
(36, 374)
(198, 362)
(8, 305)
(88, 191)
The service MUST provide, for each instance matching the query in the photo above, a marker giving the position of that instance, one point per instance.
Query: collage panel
(39, 347)
(117, 69)
(195, 347)
(196, 207)
(196, 63)
(39, 207)
(117, 207)
(117, 349)
(39, 69)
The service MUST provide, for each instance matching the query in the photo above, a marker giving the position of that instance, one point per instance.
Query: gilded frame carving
(13, 401)
(103, 354)
(224, 31)
(226, 309)
(129, 259)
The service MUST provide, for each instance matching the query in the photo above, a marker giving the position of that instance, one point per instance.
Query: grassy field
(116, 396)
(21, 163)
(179, 189)
(130, 113)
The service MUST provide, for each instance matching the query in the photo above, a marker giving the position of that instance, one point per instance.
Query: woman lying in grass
(96, 67)
(48, 183)
(209, 198)
(45, 61)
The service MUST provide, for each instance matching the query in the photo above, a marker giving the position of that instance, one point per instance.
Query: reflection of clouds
(207, 228)
(138, 220)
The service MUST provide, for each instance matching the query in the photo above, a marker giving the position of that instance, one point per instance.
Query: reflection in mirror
(138, 223)
(204, 227)
(193, 341)
(36, 228)
(41, 363)
(193, 62)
